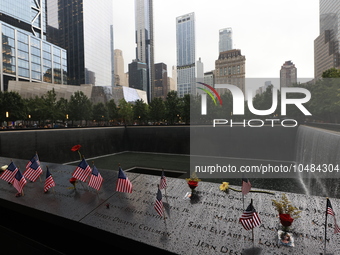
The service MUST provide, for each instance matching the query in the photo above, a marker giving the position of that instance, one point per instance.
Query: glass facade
(25, 57)
(144, 41)
(28, 15)
(225, 39)
(83, 28)
(185, 37)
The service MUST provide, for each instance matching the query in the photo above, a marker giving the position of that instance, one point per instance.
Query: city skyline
(268, 33)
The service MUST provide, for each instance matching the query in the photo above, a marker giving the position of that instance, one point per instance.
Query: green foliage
(157, 110)
(12, 103)
(172, 107)
(140, 111)
(125, 111)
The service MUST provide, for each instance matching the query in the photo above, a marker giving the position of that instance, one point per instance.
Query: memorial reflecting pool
(152, 163)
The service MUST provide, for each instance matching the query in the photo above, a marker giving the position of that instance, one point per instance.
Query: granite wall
(53, 145)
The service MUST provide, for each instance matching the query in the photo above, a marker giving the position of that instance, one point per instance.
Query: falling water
(321, 148)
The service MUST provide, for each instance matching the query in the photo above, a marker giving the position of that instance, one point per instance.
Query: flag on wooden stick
(123, 183)
(96, 179)
(49, 182)
(33, 159)
(82, 171)
(19, 182)
(33, 171)
(163, 184)
(159, 204)
(9, 174)
(331, 212)
(246, 186)
(250, 219)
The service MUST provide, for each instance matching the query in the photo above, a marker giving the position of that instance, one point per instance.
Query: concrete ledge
(207, 224)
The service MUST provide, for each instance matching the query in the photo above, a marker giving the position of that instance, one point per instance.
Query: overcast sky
(268, 32)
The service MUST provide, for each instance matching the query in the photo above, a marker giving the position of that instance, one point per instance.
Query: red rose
(285, 219)
(192, 184)
(76, 147)
(73, 180)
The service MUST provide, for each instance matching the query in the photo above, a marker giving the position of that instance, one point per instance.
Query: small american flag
(163, 184)
(9, 174)
(123, 183)
(82, 171)
(49, 182)
(96, 179)
(33, 171)
(250, 219)
(246, 186)
(331, 212)
(159, 204)
(33, 159)
(19, 181)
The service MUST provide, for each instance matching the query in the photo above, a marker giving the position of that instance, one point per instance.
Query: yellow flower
(3, 168)
(224, 186)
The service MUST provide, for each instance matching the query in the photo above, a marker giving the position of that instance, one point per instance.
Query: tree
(172, 107)
(185, 108)
(157, 109)
(112, 109)
(125, 111)
(331, 73)
(100, 113)
(50, 105)
(80, 107)
(11, 106)
(140, 111)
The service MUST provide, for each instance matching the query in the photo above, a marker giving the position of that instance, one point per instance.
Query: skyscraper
(288, 74)
(230, 68)
(144, 41)
(83, 28)
(26, 55)
(225, 39)
(326, 45)
(120, 75)
(161, 80)
(185, 37)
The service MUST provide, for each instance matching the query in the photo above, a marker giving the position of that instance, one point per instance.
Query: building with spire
(145, 41)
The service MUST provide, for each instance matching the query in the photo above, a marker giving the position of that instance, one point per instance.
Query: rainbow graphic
(209, 93)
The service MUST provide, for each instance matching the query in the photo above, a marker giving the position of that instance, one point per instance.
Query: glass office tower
(144, 41)
(84, 29)
(225, 39)
(326, 45)
(185, 37)
(26, 56)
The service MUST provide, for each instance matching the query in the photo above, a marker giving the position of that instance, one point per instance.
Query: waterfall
(322, 149)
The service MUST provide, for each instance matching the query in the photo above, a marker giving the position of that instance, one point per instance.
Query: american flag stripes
(331, 212)
(96, 179)
(49, 182)
(9, 174)
(250, 219)
(159, 204)
(19, 181)
(163, 184)
(33, 171)
(123, 183)
(33, 159)
(246, 186)
(82, 171)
